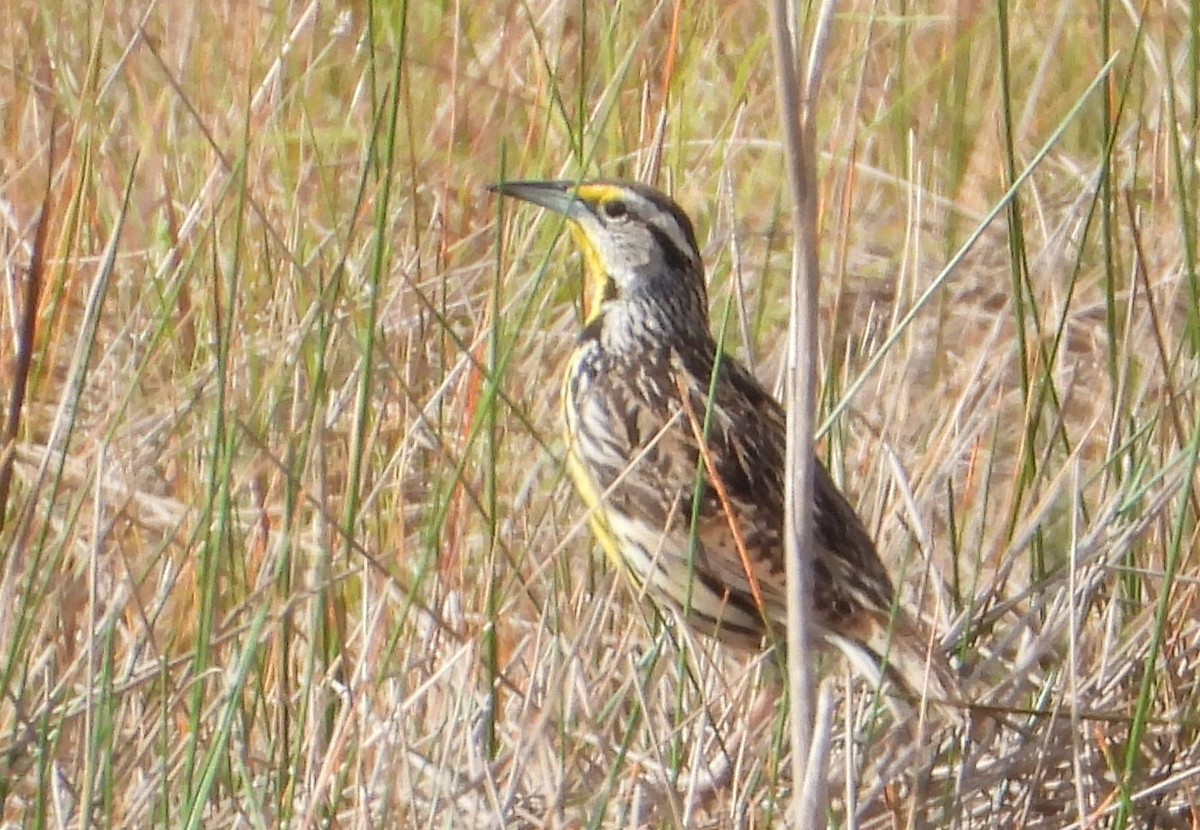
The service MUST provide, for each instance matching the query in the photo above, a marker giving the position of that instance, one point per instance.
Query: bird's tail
(907, 656)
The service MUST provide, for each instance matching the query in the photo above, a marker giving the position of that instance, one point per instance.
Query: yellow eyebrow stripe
(594, 193)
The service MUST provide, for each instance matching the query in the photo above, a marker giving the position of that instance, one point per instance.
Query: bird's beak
(556, 196)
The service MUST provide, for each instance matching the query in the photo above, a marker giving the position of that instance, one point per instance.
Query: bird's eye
(615, 209)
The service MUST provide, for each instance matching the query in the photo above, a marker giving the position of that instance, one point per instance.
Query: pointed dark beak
(556, 196)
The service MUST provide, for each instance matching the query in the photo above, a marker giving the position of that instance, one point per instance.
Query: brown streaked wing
(747, 436)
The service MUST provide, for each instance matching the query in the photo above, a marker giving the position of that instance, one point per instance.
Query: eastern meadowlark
(678, 451)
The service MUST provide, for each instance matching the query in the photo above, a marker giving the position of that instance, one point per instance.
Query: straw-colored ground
(286, 539)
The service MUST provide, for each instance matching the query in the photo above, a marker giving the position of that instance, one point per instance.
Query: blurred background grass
(286, 539)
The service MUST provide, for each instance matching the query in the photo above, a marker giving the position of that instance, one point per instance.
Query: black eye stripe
(664, 204)
(676, 259)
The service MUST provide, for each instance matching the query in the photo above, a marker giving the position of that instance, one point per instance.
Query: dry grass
(287, 540)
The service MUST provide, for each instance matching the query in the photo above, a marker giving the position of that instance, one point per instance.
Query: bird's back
(685, 480)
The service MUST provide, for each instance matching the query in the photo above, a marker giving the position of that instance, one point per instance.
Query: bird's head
(639, 248)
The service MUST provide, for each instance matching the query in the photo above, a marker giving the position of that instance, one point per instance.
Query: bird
(677, 451)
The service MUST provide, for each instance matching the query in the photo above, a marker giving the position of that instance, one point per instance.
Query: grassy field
(285, 535)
